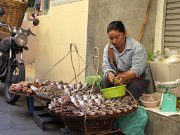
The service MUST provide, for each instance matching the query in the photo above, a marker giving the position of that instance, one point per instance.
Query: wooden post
(145, 21)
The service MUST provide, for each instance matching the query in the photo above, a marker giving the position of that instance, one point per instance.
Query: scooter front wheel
(15, 75)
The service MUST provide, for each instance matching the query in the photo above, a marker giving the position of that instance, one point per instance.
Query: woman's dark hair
(117, 26)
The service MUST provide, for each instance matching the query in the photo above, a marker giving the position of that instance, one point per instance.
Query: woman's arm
(139, 60)
(106, 67)
(137, 68)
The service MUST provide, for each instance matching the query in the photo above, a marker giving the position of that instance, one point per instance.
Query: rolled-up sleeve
(106, 67)
(139, 60)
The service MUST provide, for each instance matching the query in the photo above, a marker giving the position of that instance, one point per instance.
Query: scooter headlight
(20, 39)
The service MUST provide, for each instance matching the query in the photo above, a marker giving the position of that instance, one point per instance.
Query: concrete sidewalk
(15, 119)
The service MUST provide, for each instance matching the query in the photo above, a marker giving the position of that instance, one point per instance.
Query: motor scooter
(12, 70)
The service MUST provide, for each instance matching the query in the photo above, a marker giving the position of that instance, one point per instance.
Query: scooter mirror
(36, 22)
(2, 12)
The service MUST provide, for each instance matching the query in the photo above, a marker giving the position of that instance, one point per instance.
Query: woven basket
(14, 12)
(91, 124)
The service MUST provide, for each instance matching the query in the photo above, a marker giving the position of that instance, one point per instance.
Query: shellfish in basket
(92, 105)
(23, 88)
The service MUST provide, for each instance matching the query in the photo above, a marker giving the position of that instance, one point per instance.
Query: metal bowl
(172, 84)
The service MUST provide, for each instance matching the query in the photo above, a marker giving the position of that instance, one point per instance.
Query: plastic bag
(133, 123)
(172, 56)
(172, 59)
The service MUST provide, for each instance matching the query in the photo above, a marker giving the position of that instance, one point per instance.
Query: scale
(168, 101)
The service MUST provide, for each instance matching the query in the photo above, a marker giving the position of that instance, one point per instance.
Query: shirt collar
(128, 45)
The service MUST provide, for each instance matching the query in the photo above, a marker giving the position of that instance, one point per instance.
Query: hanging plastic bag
(133, 123)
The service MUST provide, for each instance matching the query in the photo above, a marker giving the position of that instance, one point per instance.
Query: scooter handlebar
(30, 32)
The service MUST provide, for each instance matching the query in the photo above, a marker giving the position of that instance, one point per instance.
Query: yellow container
(114, 92)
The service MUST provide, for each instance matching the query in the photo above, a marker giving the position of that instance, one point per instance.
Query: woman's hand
(124, 78)
(111, 77)
(120, 80)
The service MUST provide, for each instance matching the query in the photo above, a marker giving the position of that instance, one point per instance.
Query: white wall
(66, 24)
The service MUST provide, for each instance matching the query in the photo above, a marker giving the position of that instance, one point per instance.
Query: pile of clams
(91, 105)
(51, 89)
(59, 89)
(23, 87)
(76, 99)
(27, 87)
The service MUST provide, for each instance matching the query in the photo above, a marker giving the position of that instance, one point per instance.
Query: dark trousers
(136, 88)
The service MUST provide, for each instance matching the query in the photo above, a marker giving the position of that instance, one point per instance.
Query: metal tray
(22, 94)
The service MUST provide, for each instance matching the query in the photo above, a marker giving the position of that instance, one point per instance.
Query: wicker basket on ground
(14, 12)
(91, 124)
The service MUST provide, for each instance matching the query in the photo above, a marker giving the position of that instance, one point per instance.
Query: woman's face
(117, 38)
